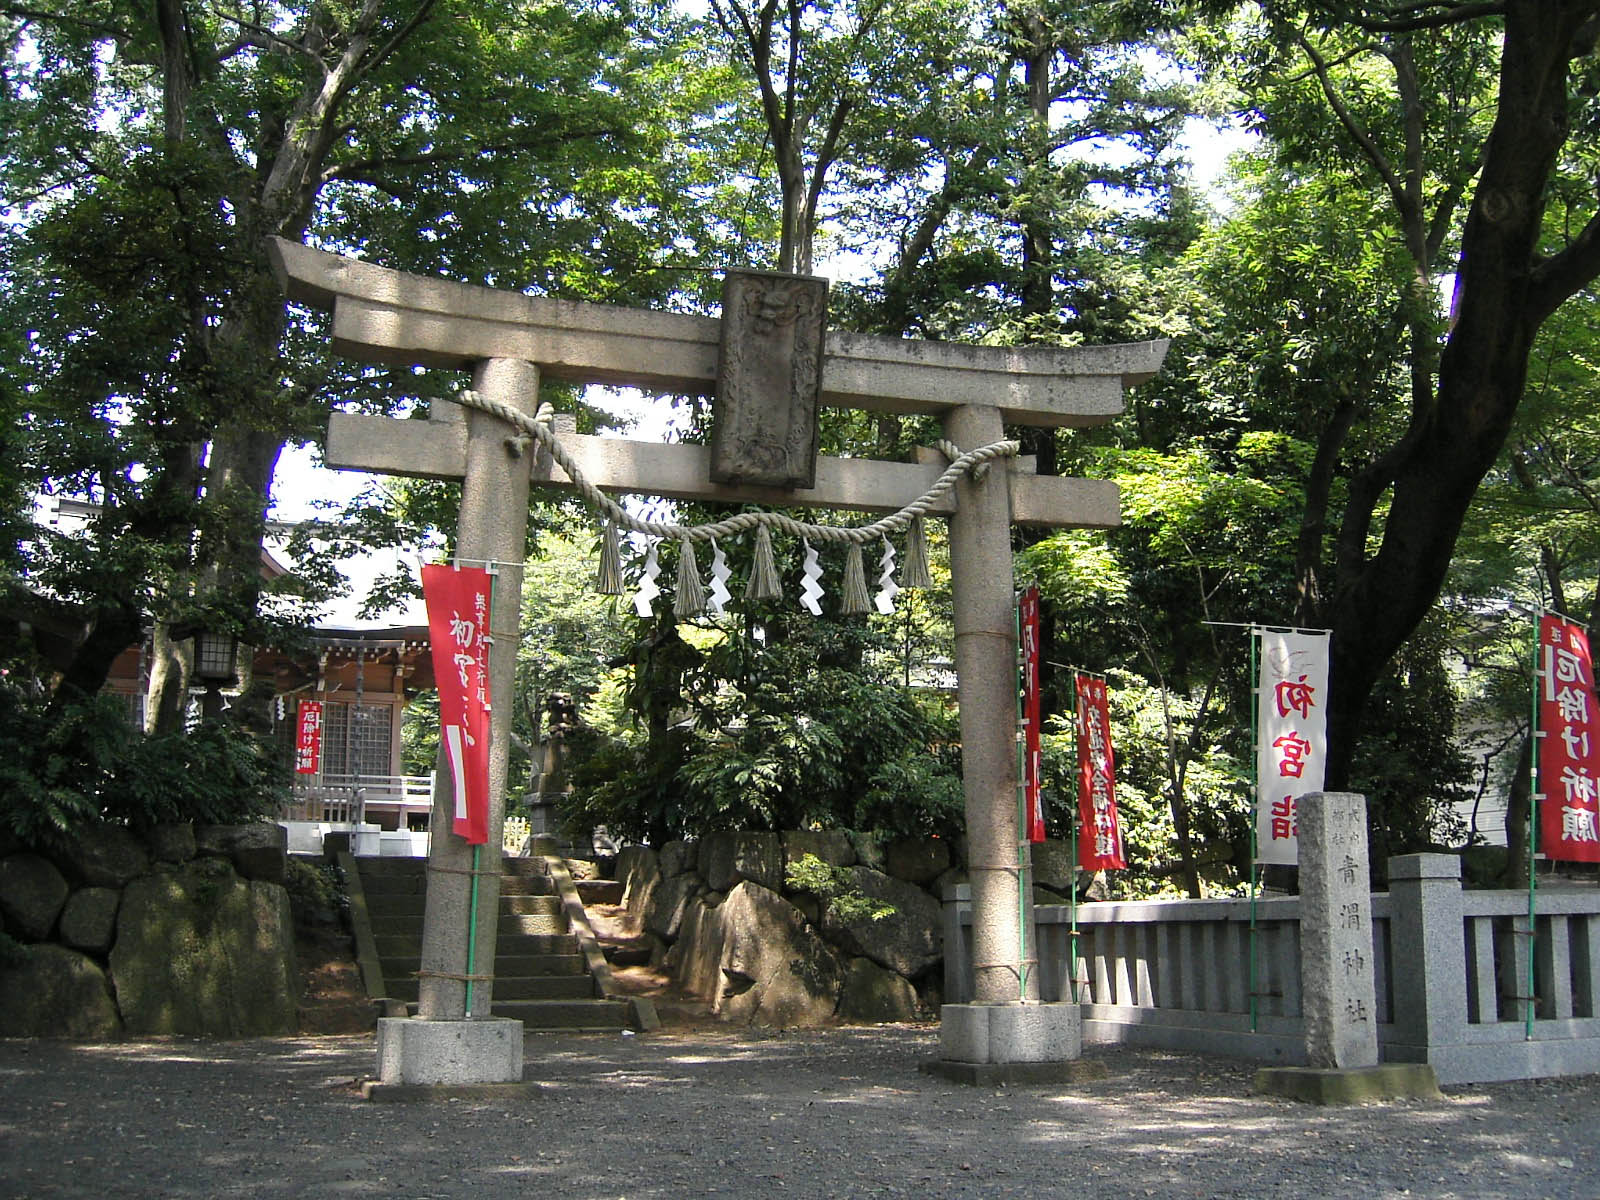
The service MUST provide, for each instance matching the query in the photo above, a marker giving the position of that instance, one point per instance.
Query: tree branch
(1427, 15)
(1363, 140)
(363, 170)
(45, 16)
(269, 39)
(1559, 276)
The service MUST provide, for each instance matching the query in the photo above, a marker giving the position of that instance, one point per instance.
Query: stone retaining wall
(185, 930)
(727, 927)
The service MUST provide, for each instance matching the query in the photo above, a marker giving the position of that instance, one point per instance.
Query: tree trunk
(171, 660)
(1456, 434)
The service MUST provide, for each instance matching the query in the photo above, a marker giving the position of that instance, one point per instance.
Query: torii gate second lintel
(510, 340)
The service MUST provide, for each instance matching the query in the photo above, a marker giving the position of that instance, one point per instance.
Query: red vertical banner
(1032, 756)
(1569, 744)
(308, 737)
(1100, 833)
(458, 626)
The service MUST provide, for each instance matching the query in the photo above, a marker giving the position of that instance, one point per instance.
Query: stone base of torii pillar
(418, 1056)
(1011, 1043)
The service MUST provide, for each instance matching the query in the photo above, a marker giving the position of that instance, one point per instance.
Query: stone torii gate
(509, 342)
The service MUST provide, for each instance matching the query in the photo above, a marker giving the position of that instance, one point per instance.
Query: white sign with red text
(1291, 736)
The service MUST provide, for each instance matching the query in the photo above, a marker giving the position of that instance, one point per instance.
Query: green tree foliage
(1461, 124)
(150, 153)
(63, 767)
(792, 731)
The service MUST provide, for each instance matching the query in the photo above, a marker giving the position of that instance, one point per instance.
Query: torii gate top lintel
(387, 316)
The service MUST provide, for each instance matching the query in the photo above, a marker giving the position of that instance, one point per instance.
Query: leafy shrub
(316, 892)
(84, 762)
(835, 887)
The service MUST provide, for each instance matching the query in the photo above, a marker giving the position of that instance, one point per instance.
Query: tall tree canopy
(1462, 119)
(150, 151)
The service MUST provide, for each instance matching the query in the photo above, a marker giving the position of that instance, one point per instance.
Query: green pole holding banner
(472, 929)
(1535, 796)
(1255, 868)
(1024, 849)
(1072, 892)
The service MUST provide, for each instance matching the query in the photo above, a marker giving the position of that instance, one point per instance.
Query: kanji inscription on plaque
(765, 426)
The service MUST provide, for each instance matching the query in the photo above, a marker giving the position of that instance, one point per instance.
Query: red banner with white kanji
(458, 624)
(1032, 755)
(1291, 736)
(1569, 744)
(308, 737)
(1099, 831)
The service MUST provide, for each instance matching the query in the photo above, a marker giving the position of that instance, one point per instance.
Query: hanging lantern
(214, 656)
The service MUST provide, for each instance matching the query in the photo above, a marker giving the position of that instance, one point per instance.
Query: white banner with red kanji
(1032, 753)
(1291, 735)
(1099, 830)
(308, 738)
(458, 624)
(1569, 744)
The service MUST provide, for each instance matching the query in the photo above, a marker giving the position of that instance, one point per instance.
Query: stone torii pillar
(388, 317)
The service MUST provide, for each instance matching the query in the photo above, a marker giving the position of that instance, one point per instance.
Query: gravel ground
(837, 1113)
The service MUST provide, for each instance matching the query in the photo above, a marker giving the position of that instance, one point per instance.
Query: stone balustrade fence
(1451, 969)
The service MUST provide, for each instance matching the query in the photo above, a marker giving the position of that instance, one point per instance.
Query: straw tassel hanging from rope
(690, 597)
(608, 577)
(915, 574)
(854, 600)
(764, 584)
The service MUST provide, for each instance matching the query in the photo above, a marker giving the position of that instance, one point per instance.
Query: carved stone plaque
(765, 420)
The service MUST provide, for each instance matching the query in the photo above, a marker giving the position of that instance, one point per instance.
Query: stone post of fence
(1428, 956)
(957, 945)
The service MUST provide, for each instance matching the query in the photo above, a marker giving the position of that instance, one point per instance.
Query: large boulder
(259, 850)
(105, 855)
(51, 991)
(664, 914)
(32, 893)
(908, 941)
(695, 959)
(1054, 866)
(917, 860)
(89, 921)
(869, 850)
(728, 858)
(872, 995)
(941, 887)
(639, 871)
(678, 857)
(776, 971)
(171, 843)
(204, 953)
(832, 846)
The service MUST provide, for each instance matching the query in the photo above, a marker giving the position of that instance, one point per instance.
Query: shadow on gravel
(840, 1113)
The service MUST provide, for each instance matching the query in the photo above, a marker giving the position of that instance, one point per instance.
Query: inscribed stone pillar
(493, 531)
(1336, 968)
(986, 670)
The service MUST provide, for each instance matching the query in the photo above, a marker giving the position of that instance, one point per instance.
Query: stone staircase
(549, 970)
